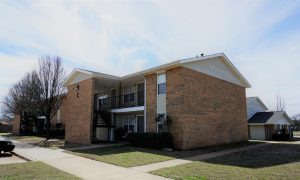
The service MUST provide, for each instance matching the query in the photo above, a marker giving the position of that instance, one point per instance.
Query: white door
(257, 132)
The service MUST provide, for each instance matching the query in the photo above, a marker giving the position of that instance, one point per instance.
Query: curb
(20, 156)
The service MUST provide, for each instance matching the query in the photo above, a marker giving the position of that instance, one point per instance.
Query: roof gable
(254, 105)
(251, 100)
(217, 66)
(78, 75)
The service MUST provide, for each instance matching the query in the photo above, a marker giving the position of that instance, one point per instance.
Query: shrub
(120, 132)
(151, 140)
(57, 133)
(163, 122)
(281, 137)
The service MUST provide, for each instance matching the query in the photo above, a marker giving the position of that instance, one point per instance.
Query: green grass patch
(32, 170)
(125, 156)
(274, 161)
(129, 156)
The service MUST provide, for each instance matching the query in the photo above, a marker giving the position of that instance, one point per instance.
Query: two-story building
(204, 96)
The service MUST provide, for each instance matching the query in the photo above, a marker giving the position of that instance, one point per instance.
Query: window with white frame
(103, 101)
(128, 124)
(161, 83)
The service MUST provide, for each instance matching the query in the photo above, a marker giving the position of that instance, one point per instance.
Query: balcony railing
(122, 101)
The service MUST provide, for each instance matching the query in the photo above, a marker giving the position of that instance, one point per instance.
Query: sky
(260, 37)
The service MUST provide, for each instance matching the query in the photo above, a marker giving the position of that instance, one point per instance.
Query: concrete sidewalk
(79, 166)
(175, 162)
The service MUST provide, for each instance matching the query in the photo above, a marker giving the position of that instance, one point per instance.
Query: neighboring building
(204, 97)
(32, 124)
(254, 105)
(6, 126)
(262, 123)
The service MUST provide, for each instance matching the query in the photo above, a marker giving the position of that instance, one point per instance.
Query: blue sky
(119, 37)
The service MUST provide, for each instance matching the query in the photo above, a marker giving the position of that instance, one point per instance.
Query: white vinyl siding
(257, 132)
(253, 107)
(216, 68)
(80, 77)
(282, 121)
(161, 98)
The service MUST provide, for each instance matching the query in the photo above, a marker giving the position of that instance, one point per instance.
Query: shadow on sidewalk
(265, 156)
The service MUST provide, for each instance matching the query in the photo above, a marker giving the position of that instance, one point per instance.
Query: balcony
(118, 102)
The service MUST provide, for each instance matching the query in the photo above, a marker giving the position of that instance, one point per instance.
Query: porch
(118, 108)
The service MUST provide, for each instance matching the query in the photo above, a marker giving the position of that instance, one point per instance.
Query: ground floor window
(128, 124)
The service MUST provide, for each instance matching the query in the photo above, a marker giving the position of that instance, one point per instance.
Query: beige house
(263, 124)
(204, 96)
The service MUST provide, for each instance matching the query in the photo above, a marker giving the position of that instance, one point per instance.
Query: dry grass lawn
(274, 161)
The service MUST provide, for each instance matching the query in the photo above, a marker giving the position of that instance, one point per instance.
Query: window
(161, 88)
(161, 83)
(128, 94)
(129, 97)
(128, 122)
(103, 101)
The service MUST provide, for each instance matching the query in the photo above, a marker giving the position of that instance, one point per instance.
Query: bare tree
(296, 117)
(22, 97)
(50, 86)
(39, 92)
(280, 104)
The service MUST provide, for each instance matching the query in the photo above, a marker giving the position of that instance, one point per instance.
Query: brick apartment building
(204, 96)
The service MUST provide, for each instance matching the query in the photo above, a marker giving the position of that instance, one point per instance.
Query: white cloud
(120, 37)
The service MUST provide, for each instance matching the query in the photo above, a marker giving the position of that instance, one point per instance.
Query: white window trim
(164, 81)
(126, 118)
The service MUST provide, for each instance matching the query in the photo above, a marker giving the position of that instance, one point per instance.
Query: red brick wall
(80, 109)
(151, 95)
(206, 111)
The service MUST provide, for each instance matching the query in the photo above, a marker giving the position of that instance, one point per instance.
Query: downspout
(120, 97)
(145, 97)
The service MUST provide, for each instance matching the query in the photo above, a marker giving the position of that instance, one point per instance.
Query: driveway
(7, 158)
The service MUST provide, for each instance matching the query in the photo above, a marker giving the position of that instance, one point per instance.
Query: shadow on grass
(270, 155)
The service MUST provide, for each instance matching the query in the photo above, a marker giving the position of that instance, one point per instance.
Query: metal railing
(122, 101)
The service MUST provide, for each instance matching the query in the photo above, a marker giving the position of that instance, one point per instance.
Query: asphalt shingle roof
(267, 117)
(261, 117)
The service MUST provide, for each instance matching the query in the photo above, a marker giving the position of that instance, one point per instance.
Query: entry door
(113, 98)
(140, 124)
(141, 94)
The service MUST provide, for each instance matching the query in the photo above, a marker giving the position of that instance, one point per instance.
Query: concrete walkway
(79, 166)
(175, 162)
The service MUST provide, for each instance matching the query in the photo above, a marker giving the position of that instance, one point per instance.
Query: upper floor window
(129, 93)
(161, 83)
(103, 100)
(161, 88)
(129, 97)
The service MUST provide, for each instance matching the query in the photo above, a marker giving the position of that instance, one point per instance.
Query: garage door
(257, 132)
